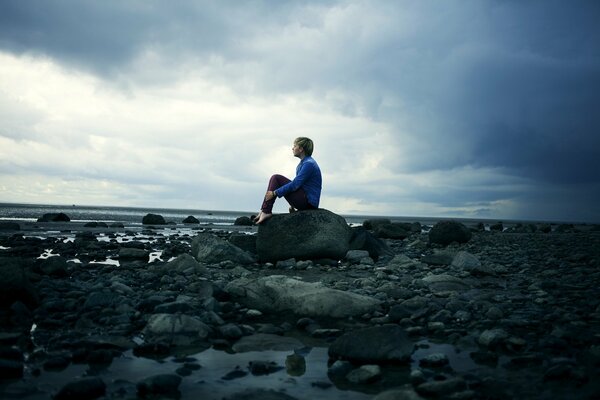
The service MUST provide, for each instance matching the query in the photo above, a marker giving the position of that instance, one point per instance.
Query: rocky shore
(407, 312)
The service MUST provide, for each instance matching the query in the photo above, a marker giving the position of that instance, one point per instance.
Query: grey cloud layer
(489, 84)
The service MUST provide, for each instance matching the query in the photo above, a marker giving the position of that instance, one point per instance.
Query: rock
(186, 262)
(373, 223)
(11, 369)
(190, 219)
(304, 235)
(259, 394)
(405, 392)
(176, 328)
(9, 226)
(243, 221)
(278, 293)
(153, 219)
(466, 261)
(446, 232)
(391, 231)
(439, 258)
(244, 242)
(492, 337)
(434, 360)
(407, 308)
(386, 343)
(100, 300)
(54, 266)
(82, 389)
(210, 249)
(442, 388)
(265, 342)
(364, 374)
(295, 365)
(54, 217)
(355, 256)
(14, 284)
(444, 283)
(163, 384)
(259, 367)
(497, 227)
(363, 240)
(127, 253)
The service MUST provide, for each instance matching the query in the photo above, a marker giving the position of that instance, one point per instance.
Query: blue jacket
(308, 177)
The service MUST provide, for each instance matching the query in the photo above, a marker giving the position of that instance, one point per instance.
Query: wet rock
(82, 389)
(304, 235)
(446, 232)
(258, 368)
(176, 328)
(364, 374)
(14, 283)
(442, 388)
(391, 231)
(243, 221)
(408, 308)
(492, 337)
(279, 293)
(387, 343)
(153, 219)
(128, 253)
(190, 219)
(54, 266)
(434, 360)
(100, 300)
(405, 392)
(163, 384)
(363, 240)
(186, 262)
(445, 282)
(210, 249)
(259, 394)
(355, 256)
(439, 258)
(244, 242)
(54, 217)
(265, 341)
(295, 365)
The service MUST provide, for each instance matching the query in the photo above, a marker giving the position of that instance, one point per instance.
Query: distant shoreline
(30, 212)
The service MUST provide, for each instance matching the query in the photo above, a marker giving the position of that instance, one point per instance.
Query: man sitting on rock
(304, 192)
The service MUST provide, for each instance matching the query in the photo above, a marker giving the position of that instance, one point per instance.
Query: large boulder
(303, 235)
(153, 219)
(210, 249)
(378, 344)
(278, 293)
(446, 232)
(54, 217)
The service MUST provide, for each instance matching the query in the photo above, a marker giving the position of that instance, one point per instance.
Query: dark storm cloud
(488, 85)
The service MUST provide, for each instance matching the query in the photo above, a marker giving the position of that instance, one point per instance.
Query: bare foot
(257, 217)
(262, 217)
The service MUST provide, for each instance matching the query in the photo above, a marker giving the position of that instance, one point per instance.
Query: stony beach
(197, 311)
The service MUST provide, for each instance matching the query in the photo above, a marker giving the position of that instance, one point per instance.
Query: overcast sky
(483, 109)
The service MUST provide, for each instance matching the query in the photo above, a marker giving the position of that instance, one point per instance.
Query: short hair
(306, 144)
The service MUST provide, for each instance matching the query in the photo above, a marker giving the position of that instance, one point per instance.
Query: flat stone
(266, 341)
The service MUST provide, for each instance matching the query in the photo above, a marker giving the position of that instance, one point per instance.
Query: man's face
(297, 150)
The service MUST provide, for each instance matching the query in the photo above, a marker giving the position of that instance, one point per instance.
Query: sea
(132, 216)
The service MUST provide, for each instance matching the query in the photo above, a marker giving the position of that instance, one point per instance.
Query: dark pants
(297, 199)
